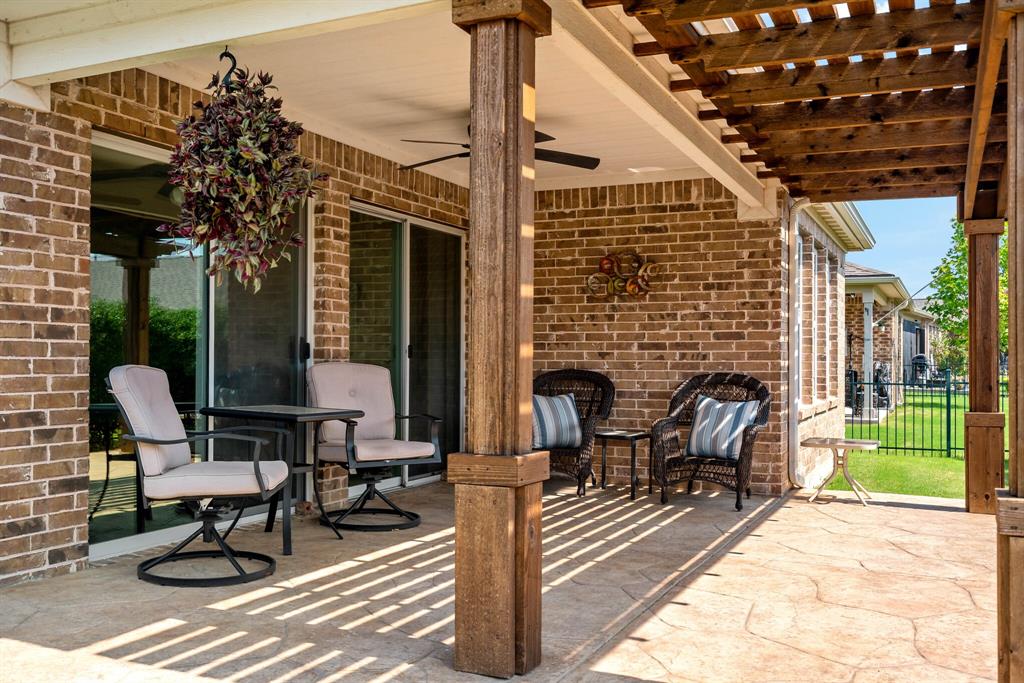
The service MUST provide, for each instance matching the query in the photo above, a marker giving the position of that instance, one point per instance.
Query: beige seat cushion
(373, 450)
(214, 479)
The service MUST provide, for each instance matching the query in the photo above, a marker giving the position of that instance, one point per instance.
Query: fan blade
(437, 142)
(538, 137)
(460, 155)
(566, 158)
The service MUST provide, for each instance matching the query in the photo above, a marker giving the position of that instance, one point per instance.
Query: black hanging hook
(230, 71)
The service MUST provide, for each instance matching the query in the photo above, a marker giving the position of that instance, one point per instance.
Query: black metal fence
(922, 413)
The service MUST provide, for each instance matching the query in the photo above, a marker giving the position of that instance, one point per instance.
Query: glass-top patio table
(291, 418)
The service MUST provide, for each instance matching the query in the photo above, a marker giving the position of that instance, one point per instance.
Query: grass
(918, 424)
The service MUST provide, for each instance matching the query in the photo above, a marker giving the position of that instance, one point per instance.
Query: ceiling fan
(550, 155)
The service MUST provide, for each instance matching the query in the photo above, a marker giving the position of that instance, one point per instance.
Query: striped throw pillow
(717, 430)
(556, 422)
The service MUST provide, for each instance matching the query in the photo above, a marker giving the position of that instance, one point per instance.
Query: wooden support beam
(690, 11)
(888, 159)
(908, 107)
(648, 48)
(497, 520)
(935, 27)
(993, 40)
(733, 138)
(1010, 545)
(871, 76)
(880, 179)
(864, 194)
(867, 138)
(682, 85)
(983, 443)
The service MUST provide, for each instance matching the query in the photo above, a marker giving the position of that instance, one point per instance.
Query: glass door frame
(406, 222)
(149, 539)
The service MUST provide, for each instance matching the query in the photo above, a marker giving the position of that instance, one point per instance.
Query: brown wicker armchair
(672, 465)
(594, 394)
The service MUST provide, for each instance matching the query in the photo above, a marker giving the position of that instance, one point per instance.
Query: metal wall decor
(622, 273)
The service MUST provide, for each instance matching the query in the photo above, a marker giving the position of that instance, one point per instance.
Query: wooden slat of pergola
(792, 88)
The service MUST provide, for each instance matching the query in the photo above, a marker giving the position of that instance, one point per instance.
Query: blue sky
(911, 235)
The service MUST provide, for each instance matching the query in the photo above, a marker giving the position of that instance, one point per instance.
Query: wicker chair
(672, 465)
(594, 394)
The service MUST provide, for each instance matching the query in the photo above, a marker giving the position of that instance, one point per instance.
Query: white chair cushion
(214, 479)
(358, 386)
(373, 450)
(145, 397)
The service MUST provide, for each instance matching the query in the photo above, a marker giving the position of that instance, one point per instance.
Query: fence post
(949, 414)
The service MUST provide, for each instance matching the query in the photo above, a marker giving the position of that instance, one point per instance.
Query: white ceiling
(374, 85)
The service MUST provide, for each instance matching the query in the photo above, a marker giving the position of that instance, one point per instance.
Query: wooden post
(1010, 511)
(984, 424)
(498, 482)
(136, 309)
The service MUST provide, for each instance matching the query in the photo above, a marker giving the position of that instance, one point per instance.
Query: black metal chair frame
(374, 471)
(209, 516)
(672, 465)
(594, 394)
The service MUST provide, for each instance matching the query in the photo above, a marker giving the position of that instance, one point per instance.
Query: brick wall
(44, 333)
(719, 302)
(44, 189)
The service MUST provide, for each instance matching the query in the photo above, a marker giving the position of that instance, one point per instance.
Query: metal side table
(839, 448)
(632, 436)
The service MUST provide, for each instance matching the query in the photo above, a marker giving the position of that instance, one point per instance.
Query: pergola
(839, 101)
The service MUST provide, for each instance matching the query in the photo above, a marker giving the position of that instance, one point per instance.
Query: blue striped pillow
(717, 430)
(556, 422)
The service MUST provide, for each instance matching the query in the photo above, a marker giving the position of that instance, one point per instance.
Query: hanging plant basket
(242, 177)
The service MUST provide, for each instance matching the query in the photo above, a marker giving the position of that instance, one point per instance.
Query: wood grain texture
(498, 470)
(1010, 604)
(935, 27)
(955, 155)
(534, 13)
(867, 138)
(704, 10)
(500, 323)
(984, 226)
(1015, 236)
(1009, 514)
(983, 322)
(864, 194)
(485, 589)
(984, 467)
(985, 419)
(528, 560)
(869, 77)
(995, 24)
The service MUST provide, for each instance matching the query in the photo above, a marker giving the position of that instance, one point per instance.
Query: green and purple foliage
(237, 162)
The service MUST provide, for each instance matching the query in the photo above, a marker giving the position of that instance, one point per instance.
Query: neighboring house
(900, 329)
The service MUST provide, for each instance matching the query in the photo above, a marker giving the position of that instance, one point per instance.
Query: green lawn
(919, 423)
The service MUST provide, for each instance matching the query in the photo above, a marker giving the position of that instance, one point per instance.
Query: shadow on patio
(633, 590)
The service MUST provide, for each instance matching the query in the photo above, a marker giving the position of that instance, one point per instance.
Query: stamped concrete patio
(691, 591)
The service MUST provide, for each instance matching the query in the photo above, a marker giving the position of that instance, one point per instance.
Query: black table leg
(632, 470)
(286, 497)
(650, 468)
(604, 463)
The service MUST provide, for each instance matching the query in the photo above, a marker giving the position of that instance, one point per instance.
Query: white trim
(407, 220)
(130, 146)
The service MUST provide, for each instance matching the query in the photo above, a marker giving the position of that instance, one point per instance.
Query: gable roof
(857, 270)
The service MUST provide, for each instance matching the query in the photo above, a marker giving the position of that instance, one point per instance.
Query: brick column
(44, 333)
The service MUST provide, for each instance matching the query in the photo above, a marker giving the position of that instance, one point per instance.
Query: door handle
(305, 351)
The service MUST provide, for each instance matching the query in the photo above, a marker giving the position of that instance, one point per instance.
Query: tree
(949, 302)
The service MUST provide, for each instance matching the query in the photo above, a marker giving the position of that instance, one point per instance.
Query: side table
(631, 436)
(839, 448)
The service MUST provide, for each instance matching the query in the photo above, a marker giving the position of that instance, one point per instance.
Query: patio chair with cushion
(366, 446)
(593, 394)
(724, 413)
(169, 473)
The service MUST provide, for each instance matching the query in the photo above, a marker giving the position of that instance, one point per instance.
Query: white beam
(582, 38)
(13, 91)
(125, 33)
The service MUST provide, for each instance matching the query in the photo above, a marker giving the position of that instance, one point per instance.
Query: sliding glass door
(406, 313)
